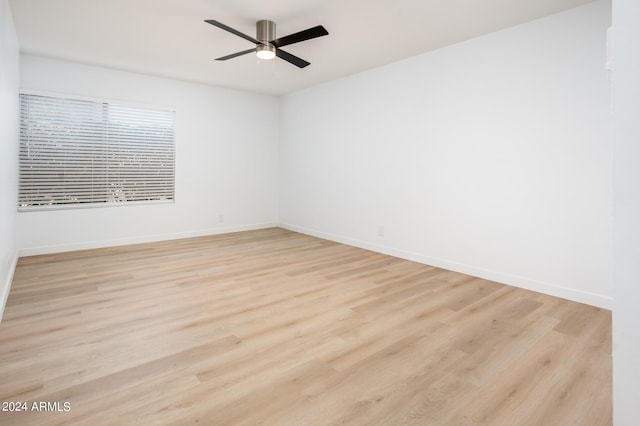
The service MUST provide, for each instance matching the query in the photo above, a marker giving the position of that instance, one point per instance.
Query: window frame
(95, 204)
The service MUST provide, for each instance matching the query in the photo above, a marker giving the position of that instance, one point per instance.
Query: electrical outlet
(380, 230)
(220, 218)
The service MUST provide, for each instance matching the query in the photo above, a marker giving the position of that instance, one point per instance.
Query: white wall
(226, 161)
(490, 157)
(9, 137)
(626, 321)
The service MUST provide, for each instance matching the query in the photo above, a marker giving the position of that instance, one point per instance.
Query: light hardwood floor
(277, 328)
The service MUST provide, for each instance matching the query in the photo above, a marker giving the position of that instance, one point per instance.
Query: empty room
(319, 212)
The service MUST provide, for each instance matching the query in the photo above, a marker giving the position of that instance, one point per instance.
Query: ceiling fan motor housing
(265, 31)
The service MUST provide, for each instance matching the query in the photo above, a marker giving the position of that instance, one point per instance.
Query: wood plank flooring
(273, 327)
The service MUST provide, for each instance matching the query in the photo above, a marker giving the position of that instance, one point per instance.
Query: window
(79, 153)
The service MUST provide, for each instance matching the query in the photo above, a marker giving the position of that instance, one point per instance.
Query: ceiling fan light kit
(266, 52)
(267, 45)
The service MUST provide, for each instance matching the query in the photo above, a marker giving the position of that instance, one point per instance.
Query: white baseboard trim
(34, 251)
(6, 287)
(598, 300)
(579, 296)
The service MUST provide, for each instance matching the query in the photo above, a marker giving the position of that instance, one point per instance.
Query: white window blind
(78, 153)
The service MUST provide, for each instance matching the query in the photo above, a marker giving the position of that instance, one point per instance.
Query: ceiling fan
(267, 45)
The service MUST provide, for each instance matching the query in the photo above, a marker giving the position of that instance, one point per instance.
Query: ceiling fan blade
(235, 55)
(303, 35)
(300, 63)
(231, 30)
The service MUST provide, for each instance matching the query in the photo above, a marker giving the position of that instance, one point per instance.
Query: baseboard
(4, 295)
(34, 251)
(598, 300)
(579, 296)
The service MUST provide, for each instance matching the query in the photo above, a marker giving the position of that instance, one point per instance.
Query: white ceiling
(169, 38)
